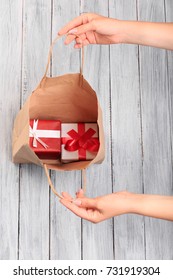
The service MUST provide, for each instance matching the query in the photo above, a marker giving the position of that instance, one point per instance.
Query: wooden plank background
(134, 86)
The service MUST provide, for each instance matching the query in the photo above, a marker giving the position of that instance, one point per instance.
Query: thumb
(82, 29)
(85, 202)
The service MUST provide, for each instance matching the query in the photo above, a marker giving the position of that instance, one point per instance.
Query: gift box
(79, 141)
(44, 138)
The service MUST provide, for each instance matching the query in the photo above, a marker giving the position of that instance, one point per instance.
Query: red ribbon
(81, 141)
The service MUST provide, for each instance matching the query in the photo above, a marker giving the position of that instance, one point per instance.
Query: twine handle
(50, 182)
(52, 186)
(51, 50)
(84, 180)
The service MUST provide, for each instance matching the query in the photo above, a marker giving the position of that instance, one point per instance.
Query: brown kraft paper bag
(68, 98)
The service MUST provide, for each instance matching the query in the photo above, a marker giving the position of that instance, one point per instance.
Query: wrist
(153, 34)
(132, 202)
(136, 32)
(140, 204)
(121, 35)
(155, 206)
(127, 202)
(129, 32)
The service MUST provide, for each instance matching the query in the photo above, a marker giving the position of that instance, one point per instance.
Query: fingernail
(79, 190)
(77, 202)
(72, 31)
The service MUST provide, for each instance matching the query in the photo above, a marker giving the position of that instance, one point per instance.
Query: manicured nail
(72, 31)
(79, 190)
(77, 202)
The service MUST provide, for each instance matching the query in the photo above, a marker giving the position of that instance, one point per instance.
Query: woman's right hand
(92, 29)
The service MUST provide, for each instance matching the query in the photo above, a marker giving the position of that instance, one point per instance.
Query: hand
(104, 207)
(97, 209)
(97, 29)
(92, 29)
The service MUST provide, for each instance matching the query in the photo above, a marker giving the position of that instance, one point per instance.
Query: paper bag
(68, 98)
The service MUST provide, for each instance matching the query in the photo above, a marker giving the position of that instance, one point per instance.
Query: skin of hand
(92, 29)
(104, 207)
(97, 29)
(96, 209)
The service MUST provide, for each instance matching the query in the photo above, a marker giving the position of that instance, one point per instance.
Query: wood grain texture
(34, 190)
(98, 238)
(126, 135)
(169, 18)
(134, 86)
(10, 80)
(157, 165)
(65, 227)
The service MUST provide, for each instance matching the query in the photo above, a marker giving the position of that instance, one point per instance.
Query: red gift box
(80, 141)
(44, 138)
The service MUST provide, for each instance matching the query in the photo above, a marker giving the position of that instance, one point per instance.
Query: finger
(67, 196)
(80, 212)
(80, 193)
(79, 41)
(69, 38)
(79, 46)
(72, 24)
(85, 202)
(82, 29)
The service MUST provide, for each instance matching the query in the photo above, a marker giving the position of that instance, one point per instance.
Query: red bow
(81, 141)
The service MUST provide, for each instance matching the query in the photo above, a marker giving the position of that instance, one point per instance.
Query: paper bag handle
(52, 186)
(51, 50)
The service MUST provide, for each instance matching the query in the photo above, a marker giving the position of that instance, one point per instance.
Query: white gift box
(79, 141)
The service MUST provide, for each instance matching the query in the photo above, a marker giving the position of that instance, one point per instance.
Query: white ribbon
(33, 133)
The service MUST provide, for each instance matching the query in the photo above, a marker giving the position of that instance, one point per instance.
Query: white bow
(33, 132)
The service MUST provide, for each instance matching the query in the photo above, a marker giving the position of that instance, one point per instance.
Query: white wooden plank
(98, 238)
(169, 18)
(157, 166)
(66, 239)
(34, 203)
(10, 80)
(65, 227)
(126, 135)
